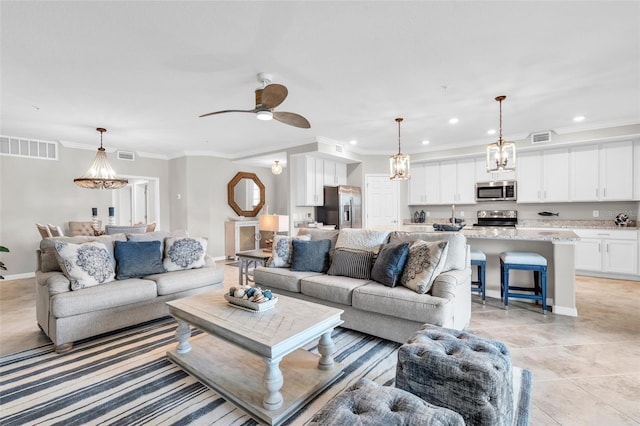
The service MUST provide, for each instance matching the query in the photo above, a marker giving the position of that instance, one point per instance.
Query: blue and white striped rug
(125, 378)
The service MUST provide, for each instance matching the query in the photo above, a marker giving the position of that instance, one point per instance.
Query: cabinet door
(620, 256)
(529, 171)
(584, 173)
(341, 173)
(616, 172)
(416, 195)
(555, 175)
(329, 173)
(432, 183)
(448, 183)
(588, 254)
(318, 177)
(466, 181)
(636, 170)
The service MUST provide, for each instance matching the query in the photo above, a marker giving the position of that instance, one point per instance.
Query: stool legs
(539, 287)
(480, 286)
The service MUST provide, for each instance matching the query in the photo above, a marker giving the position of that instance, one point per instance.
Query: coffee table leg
(326, 348)
(183, 333)
(273, 381)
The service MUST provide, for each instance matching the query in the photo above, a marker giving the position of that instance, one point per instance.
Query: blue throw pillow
(310, 256)
(138, 259)
(388, 267)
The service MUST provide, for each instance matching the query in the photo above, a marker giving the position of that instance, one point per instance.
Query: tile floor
(586, 370)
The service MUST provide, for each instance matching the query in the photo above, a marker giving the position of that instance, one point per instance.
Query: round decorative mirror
(245, 194)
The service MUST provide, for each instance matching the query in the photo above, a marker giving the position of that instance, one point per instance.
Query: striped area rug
(125, 378)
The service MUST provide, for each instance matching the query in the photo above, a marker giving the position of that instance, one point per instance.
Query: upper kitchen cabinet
(457, 181)
(636, 170)
(602, 172)
(424, 186)
(483, 176)
(309, 178)
(543, 176)
(334, 172)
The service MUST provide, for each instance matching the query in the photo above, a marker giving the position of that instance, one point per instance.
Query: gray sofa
(67, 315)
(392, 313)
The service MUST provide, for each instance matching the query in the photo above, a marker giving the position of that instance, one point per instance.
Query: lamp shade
(273, 223)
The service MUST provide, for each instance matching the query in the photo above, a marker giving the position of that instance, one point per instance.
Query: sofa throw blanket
(361, 239)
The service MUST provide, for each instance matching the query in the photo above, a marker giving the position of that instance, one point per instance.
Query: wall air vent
(339, 148)
(541, 137)
(126, 155)
(21, 147)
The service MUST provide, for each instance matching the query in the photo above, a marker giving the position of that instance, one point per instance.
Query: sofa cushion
(184, 253)
(403, 303)
(456, 252)
(49, 261)
(127, 229)
(310, 256)
(105, 296)
(424, 263)
(332, 288)
(138, 258)
(390, 263)
(361, 239)
(280, 278)
(177, 281)
(86, 265)
(321, 234)
(151, 236)
(282, 250)
(351, 263)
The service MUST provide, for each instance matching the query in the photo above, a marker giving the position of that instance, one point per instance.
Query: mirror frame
(230, 192)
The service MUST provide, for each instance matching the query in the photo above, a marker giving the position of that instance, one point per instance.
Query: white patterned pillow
(361, 239)
(425, 262)
(281, 250)
(86, 264)
(184, 253)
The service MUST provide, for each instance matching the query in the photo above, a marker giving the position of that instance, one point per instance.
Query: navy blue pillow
(310, 256)
(388, 267)
(138, 259)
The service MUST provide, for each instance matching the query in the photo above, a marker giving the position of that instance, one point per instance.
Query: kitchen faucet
(453, 214)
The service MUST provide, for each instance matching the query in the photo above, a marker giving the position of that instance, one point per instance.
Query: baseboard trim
(19, 276)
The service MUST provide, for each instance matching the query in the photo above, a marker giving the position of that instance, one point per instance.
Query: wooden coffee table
(255, 360)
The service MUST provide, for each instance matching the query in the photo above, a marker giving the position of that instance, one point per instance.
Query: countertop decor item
(622, 219)
(447, 227)
(545, 213)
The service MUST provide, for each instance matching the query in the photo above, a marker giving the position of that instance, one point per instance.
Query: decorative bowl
(249, 305)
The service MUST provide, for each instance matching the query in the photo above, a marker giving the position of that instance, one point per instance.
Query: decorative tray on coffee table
(266, 299)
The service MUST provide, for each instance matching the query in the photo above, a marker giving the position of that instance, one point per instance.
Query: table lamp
(273, 223)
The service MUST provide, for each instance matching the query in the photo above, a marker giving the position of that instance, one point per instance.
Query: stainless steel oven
(497, 218)
(497, 190)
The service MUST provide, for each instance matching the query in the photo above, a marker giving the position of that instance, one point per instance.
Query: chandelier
(501, 155)
(276, 169)
(399, 167)
(101, 175)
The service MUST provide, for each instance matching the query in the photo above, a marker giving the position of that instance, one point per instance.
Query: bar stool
(479, 259)
(529, 262)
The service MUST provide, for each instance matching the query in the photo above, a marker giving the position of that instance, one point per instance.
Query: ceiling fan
(267, 98)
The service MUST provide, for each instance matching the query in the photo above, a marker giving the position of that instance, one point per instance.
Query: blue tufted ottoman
(470, 375)
(367, 403)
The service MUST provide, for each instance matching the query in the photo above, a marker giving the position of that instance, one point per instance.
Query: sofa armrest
(209, 262)
(56, 282)
(446, 284)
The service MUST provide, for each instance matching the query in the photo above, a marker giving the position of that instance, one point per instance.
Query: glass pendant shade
(399, 164)
(276, 169)
(101, 175)
(501, 155)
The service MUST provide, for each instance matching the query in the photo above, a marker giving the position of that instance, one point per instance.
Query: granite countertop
(532, 223)
(563, 235)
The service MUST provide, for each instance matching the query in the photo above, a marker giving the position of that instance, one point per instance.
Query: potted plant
(2, 267)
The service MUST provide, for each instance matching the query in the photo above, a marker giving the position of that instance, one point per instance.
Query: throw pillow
(424, 263)
(86, 264)
(351, 263)
(138, 259)
(310, 256)
(390, 263)
(184, 253)
(281, 250)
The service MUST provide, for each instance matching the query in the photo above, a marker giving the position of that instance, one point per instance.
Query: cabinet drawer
(618, 234)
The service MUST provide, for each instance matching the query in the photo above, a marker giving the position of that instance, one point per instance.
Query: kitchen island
(557, 246)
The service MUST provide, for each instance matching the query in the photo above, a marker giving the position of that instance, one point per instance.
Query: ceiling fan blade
(273, 95)
(228, 110)
(292, 119)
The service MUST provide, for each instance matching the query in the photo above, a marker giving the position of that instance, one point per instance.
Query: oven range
(497, 218)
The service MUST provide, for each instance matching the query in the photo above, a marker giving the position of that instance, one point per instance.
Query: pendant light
(399, 167)
(501, 155)
(101, 175)
(276, 169)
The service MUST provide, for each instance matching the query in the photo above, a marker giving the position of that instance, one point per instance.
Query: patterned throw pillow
(86, 264)
(425, 262)
(351, 263)
(282, 249)
(390, 263)
(184, 253)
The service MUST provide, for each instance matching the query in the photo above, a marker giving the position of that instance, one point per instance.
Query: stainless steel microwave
(497, 190)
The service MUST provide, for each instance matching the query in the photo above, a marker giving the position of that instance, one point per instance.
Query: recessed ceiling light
(353, 142)
(578, 118)
(453, 120)
(491, 132)
(425, 142)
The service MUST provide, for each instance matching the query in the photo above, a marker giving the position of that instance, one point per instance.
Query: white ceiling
(146, 71)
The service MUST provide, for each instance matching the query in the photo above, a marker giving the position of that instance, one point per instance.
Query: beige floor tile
(622, 392)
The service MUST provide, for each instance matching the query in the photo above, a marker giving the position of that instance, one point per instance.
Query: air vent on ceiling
(339, 148)
(541, 137)
(20, 147)
(126, 155)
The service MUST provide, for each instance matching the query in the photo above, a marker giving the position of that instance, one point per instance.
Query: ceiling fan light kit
(101, 175)
(399, 164)
(268, 97)
(501, 155)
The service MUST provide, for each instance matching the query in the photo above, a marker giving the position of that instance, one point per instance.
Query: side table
(250, 258)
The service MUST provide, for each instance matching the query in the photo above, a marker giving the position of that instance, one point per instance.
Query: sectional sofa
(68, 310)
(392, 313)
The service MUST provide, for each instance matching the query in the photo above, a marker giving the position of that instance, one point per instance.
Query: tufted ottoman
(367, 403)
(470, 375)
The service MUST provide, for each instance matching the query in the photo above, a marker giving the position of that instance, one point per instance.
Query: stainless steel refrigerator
(342, 207)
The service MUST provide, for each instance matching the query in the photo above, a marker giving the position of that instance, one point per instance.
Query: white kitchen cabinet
(334, 173)
(309, 180)
(636, 170)
(543, 176)
(457, 181)
(609, 251)
(424, 185)
(602, 172)
(416, 190)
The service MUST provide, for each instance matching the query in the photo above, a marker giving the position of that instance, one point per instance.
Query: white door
(381, 196)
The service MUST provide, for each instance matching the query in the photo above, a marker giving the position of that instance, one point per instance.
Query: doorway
(138, 202)
(381, 197)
